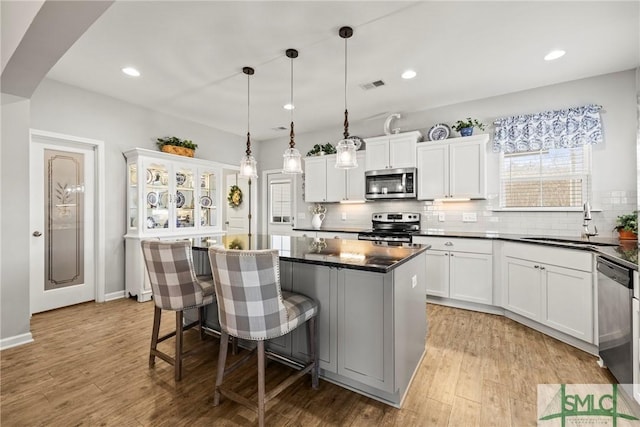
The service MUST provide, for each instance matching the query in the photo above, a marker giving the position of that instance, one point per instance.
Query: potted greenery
(174, 145)
(321, 150)
(465, 127)
(627, 226)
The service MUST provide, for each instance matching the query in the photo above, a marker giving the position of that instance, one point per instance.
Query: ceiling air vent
(372, 85)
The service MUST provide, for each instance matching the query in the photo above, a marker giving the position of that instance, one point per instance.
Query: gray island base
(372, 319)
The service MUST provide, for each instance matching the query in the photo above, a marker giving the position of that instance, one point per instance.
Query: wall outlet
(441, 216)
(344, 216)
(469, 217)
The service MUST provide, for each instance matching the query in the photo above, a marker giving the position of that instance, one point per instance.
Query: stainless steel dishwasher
(615, 294)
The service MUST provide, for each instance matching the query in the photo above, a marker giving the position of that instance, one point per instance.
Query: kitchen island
(372, 319)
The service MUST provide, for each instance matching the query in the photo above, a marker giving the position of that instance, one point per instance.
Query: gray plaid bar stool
(175, 287)
(252, 306)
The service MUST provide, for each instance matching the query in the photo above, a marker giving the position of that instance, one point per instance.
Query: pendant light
(292, 161)
(346, 149)
(248, 165)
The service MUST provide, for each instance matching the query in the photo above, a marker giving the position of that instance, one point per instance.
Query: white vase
(316, 221)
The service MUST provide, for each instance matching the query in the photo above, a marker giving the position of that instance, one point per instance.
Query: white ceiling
(191, 55)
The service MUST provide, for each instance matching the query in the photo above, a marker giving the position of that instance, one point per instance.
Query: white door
(280, 197)
(238, 222)
(62, 219)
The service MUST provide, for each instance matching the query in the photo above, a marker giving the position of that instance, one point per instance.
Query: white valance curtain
(568, 128)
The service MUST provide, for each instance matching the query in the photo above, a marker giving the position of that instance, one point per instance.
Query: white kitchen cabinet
(168, 197)
(460, 269)
(324, 183)
(392, 151)
(552, 286)
(315, 179)
(452, 168)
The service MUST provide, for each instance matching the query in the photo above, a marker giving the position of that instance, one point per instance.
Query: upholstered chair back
(247, 286)
(171, 273)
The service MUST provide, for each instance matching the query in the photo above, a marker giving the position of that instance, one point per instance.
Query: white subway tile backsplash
(607, 206)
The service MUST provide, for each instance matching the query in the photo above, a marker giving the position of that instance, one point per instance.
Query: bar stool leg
(201, 318)
(154, 335)
(261, 387)
(178, 357)
(312, 328)
(222, 360)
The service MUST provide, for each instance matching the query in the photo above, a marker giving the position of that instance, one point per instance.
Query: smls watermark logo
(585, 405)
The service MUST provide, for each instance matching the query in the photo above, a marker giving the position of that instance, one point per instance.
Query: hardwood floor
(88, 366)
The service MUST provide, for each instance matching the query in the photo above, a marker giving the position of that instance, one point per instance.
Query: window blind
(554, 178)
(280, 201)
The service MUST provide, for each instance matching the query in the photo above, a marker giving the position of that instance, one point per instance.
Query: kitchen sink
(569, 241)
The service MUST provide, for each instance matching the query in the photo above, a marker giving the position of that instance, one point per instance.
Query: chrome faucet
(586, 216)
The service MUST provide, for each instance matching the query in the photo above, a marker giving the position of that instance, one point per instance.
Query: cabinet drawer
(480, 246)
(569, 258)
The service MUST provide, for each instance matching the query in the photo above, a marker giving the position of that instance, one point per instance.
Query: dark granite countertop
(353, 254)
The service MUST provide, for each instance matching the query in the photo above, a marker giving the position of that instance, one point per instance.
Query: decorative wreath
(235, 196)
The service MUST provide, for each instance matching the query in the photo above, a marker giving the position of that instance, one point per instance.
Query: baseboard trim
(15, 341)
(115, 295)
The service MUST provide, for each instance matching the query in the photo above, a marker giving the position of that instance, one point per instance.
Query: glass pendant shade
(248, 166)
(346, 157)
(292, 161)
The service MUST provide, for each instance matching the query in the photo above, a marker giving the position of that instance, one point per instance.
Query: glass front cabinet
(168, 197)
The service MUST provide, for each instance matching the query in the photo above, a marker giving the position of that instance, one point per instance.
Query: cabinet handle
(448, 244)
(542, 268)
(536, 266)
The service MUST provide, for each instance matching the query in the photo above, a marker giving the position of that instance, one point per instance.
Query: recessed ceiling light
(409, 74)
(130, 71)
(554, 54)
(288, 106)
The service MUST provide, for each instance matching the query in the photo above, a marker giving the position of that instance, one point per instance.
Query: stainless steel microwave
(391, 184)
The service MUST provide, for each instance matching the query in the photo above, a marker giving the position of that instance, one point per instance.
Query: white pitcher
(316, 221)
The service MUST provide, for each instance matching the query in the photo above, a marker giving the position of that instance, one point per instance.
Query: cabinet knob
(37, 234)
(536, 266)
(451, 254)
(542, 268)
(448, 244)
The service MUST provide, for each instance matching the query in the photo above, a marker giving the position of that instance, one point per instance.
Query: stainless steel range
(392, 227)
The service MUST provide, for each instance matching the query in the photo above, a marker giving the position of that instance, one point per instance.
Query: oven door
(390, 184)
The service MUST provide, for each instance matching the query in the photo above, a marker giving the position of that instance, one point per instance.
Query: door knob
(37, 234)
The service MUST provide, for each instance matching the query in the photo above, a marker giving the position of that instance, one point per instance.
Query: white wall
(614, 161)
(61, 108)
(14, 227)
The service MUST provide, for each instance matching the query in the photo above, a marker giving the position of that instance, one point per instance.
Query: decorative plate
(151, 223)
(149, 176)
(439, 132)
(180, 178)
(179, 199)
(205, 201)
(152, 199)
(164, 199)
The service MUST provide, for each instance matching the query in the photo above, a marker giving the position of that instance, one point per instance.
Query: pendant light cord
(248, 152)
(346, 112)
(292, 142)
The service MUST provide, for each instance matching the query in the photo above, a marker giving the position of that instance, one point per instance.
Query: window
(553, 178)
(280, 206)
